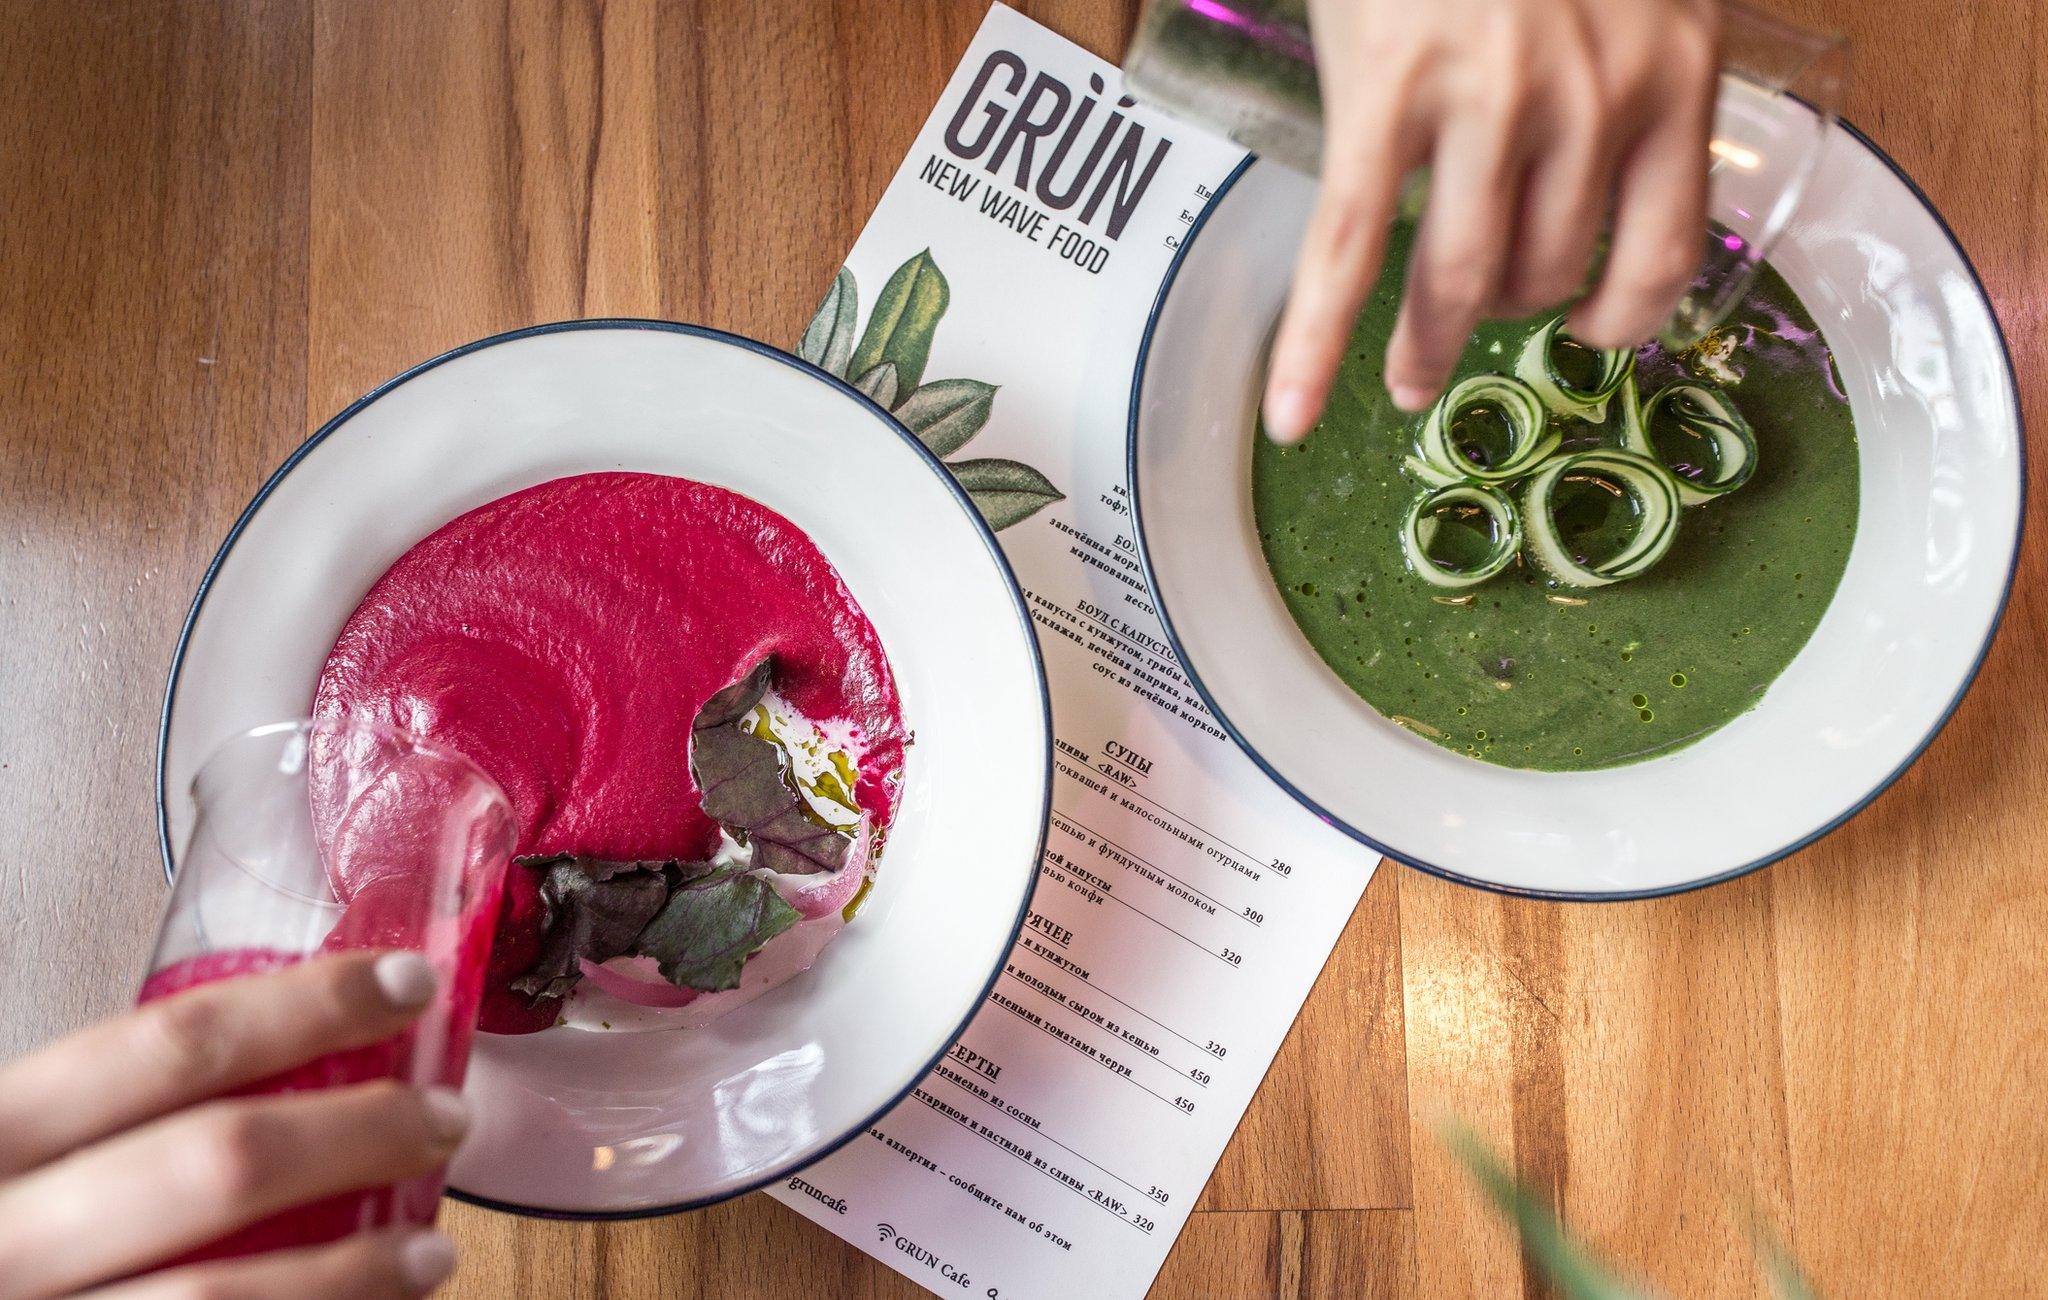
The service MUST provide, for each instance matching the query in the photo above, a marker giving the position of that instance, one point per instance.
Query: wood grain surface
(222, 219)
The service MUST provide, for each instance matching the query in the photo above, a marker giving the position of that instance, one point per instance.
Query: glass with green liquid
(1246, 68)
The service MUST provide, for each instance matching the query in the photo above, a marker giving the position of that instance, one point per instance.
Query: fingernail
(1411, 397)
(447, 1113)
(406, 979)
(1289, 412)
(425, 1260)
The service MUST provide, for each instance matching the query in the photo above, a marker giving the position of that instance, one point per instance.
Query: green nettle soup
(1472, 610)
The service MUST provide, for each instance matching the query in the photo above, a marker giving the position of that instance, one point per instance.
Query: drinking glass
(1246, 68)
(321, 837)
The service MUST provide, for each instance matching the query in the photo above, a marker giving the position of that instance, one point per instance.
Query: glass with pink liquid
(314, 838)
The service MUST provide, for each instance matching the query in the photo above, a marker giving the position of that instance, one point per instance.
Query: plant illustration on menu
(887, 363)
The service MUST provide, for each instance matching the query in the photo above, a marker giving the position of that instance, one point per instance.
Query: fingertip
(1587, 330)
(447, 1113)
(1412, 397)
(1290, 412)
(1600, 329)
(425, 1261)
(1418, 366)
(405, 979)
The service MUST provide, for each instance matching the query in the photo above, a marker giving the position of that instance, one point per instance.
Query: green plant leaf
(1569, 1267)
(880, 384)
(704, 934)
(828, 339)
(1780, 1269)
(1005, 491)
(905, 316)
(946, 413)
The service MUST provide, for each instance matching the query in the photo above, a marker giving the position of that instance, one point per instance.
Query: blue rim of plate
(1567, 896)
(890, 422)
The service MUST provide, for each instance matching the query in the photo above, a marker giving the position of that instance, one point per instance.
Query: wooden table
(222, 219)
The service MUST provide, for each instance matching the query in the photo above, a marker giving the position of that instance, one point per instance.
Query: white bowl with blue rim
(1930, 385)
(604, 1125)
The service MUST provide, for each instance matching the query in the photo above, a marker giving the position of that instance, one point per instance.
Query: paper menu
(1185, 903)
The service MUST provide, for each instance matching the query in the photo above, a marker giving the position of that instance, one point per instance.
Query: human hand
(117, 1153)
(1538, 120)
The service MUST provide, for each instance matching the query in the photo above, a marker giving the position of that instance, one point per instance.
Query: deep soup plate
(1931, 388)
(585, 1123)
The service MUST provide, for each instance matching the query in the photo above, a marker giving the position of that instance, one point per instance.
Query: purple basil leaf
(741, 779)
(709, 927)
(737, 700)
(594, 911)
